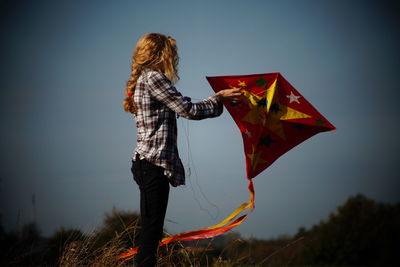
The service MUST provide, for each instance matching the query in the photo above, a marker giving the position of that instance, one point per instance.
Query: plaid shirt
(158, 103)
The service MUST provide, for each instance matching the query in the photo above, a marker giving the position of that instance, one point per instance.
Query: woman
(155, 102)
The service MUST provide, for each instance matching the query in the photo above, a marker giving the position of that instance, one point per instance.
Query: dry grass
(94, 250)
(83, 253)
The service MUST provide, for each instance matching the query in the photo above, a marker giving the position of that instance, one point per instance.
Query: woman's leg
(154, 191)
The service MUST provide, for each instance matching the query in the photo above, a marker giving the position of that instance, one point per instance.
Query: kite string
(191, 163)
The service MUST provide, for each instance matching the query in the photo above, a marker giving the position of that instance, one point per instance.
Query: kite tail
(225, 225)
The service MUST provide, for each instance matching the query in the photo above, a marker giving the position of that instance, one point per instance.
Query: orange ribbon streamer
(208, 232)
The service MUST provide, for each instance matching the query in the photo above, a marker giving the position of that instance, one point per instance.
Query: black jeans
(154, 191)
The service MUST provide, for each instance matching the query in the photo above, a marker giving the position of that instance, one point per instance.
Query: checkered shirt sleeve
(162, 90)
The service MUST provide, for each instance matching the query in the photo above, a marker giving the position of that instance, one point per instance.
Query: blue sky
(66, 140)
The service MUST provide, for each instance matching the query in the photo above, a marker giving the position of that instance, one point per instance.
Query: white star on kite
(293, 98)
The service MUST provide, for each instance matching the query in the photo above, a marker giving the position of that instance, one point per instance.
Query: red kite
(273, 117)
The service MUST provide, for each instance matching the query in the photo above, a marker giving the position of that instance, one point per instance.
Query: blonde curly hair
(153, 51)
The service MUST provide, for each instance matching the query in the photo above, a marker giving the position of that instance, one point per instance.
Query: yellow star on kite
(269, 113)
(241, 83)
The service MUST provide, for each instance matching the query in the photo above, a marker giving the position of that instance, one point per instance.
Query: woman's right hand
(232, 95)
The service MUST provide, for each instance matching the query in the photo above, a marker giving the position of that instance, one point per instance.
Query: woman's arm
(162, 89)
